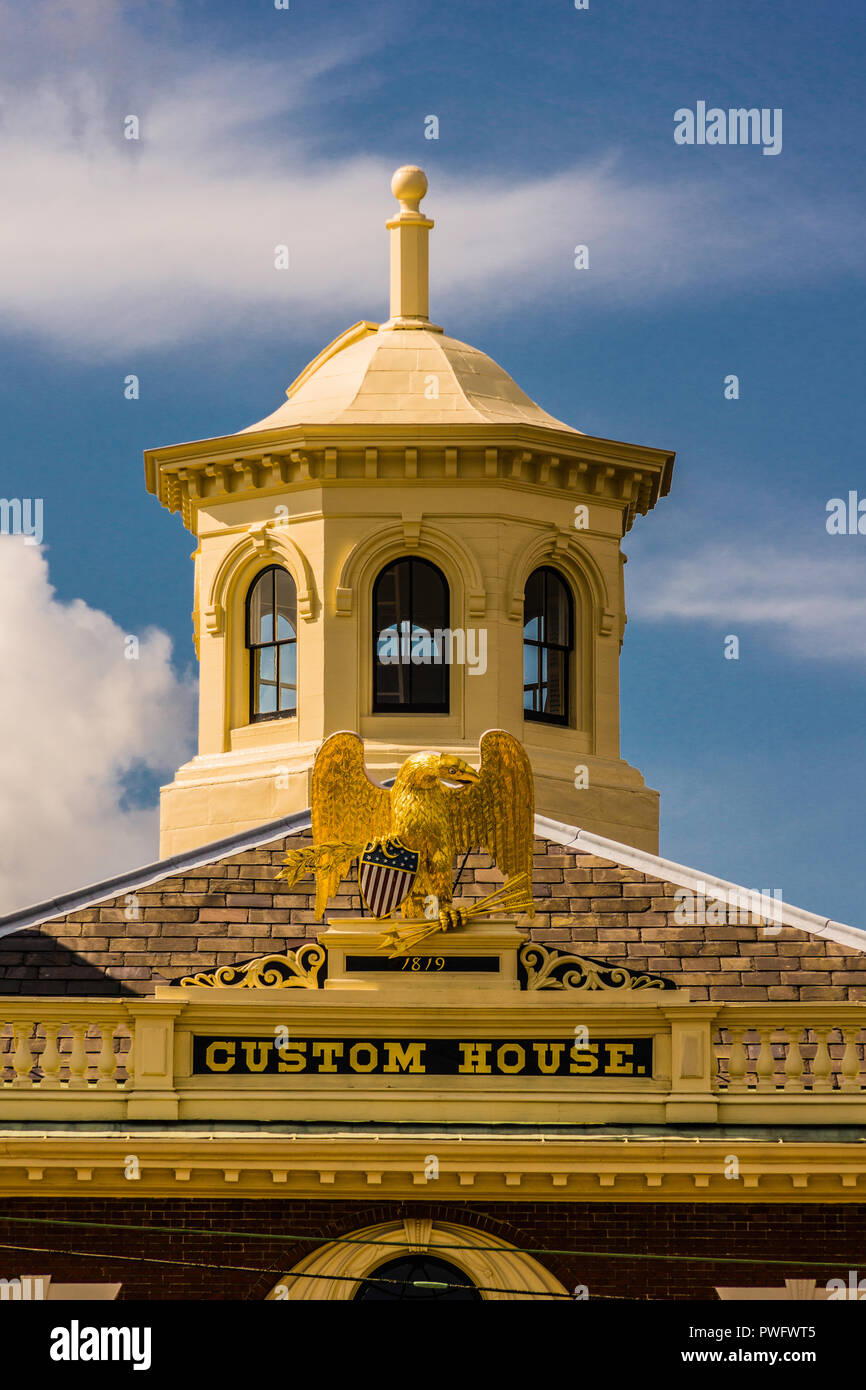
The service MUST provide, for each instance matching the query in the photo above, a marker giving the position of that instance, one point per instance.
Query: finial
(409, 184)
(409, 230)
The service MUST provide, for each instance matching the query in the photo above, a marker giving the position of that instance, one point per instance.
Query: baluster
(50, 1061)
(794, 1065)
(737, 1060)
(719, 1062)
(128, 1059)
(822, 1066)
(105, 1063)
(78, 1057)
(766, 1065)
(850, 1069)
(22, 1061)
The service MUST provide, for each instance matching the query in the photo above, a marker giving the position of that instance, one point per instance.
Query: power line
(398, 1245)
(371, 1278)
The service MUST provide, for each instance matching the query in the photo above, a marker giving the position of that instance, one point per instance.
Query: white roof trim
(184, 863)
(571, 837)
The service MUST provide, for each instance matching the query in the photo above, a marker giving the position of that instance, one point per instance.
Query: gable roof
(151, 873)
(568, 836)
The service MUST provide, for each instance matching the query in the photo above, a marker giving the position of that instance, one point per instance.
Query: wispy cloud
(111, 244)
(78, 718)
(813, 604)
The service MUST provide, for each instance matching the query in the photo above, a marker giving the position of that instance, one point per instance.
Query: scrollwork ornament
(548, 968)
(293, 970)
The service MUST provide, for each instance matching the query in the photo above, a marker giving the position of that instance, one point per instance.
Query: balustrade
(47, 1053)
(791, 1063)
(790, 1057)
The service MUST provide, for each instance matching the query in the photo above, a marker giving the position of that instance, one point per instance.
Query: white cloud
(110, 245)
(814, 605)
(77, 716)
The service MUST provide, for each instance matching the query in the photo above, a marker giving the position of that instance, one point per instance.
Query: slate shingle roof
(225, 909)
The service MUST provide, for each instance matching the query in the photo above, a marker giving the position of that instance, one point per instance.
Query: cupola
(411, 548)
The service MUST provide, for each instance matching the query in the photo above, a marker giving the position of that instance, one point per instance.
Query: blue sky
(556, 128)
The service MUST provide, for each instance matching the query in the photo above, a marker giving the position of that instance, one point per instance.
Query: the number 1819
(423, 963)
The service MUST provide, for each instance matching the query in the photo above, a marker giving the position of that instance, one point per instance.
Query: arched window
(344, 1269)
(411, 641)
(548, 641)
(411, 1276)
(272, 640)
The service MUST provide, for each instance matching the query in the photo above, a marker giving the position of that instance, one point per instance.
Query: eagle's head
(454, 769)
(432, 769)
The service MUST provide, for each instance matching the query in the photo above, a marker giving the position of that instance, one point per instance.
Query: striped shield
(386, 873)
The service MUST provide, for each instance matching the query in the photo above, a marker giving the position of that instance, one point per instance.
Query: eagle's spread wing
(346, 806)
(497, 812)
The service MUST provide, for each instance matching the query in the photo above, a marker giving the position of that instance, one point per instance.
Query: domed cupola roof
(405, 371)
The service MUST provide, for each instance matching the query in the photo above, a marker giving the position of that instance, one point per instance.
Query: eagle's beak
(461, 773)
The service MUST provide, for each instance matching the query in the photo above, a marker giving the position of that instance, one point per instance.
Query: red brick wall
(758, 1233)
(235, 909)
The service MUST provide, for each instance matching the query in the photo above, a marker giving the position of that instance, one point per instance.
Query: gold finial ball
(409, 184)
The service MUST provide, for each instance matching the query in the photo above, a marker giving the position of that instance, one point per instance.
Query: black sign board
(424, 965)
(608, 1057)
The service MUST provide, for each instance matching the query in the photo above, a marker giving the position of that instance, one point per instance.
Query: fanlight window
(548, 641)
(411, 646)
(413, 1277)
(272, 625)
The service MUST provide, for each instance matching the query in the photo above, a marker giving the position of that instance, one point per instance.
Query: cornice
(391, 1166)
(238, 466)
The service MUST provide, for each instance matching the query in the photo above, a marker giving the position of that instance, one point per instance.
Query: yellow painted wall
(486, 534)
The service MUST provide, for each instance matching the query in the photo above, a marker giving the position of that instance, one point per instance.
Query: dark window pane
(410, 605)
(557, 615)
(533, 605)
(554, 702)
(287, 614)
(429, 685)
(547, 647)
(429, 606)
(271, 638)
(267, 664)
(261, 626)
(288, 678)
(289, 664)
(409, 1278)
(265, 681)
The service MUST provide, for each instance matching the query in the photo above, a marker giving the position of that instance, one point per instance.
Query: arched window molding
(354, 599)
(266, 543)
(594, 615)
(563, 552)
(224, 617)
(499, 1270)
(417, 538)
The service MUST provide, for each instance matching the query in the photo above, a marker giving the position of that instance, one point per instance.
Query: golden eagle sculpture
(437, 808)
